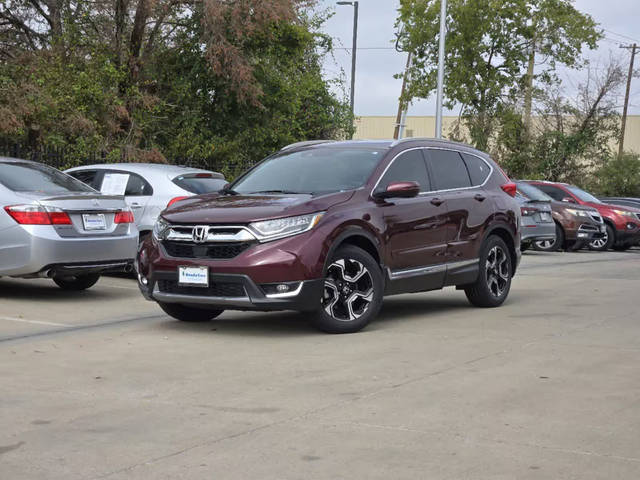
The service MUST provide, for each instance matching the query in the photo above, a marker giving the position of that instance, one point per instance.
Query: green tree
(619, 177)
(488, 51)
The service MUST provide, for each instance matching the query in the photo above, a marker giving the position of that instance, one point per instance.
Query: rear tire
(604, 244)
(185, 313)
(77, 283)
(494, 279)
(352, 293)
(551, 246)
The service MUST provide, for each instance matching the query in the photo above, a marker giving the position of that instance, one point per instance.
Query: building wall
(382, 127)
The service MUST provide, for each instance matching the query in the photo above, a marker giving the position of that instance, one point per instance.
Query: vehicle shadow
(47, 291)
(404, 309)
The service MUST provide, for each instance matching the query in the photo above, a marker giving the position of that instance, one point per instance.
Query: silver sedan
(148, 187)
(53, 226)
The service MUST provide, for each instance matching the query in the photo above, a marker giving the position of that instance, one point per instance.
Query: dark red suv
(622, 223)
(331, 227)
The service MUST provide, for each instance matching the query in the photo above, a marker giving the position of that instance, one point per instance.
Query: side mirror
(400, 190)
(568, 200)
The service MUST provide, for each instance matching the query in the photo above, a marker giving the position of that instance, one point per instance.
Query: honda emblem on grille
(200, 233)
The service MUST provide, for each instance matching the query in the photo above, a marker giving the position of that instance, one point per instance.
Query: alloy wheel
(546, 244)
(497, 271)
(348, 290)
(600, 242)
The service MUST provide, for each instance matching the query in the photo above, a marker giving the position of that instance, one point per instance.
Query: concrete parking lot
(103, 385)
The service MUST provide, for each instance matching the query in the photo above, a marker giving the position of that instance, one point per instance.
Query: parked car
(148, 187)
(622, 223)
(537, 218)
(575, 225)
(624, 201)
(330, 228)
(53, 226)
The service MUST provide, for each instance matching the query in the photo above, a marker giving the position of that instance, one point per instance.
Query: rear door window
(36, 177)
(448, 170)
(89, 177)
(478, 169)
(408, 167)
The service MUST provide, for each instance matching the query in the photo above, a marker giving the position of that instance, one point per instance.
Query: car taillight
(37, 215)
(174, 200)
(123, 216)
(203, 175)
(528, 211)
(509, 188)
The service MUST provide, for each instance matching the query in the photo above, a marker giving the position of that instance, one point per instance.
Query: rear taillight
(528, 211)
(203, 175)
(38, 215)
(509, 188)
(123, 216)
(174, 200)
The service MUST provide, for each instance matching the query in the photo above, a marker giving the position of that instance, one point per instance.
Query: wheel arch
(361, 238)
(503, 231)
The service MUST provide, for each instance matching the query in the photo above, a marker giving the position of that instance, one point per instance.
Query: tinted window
(137, 186)
(312, 170)
(532, 193)
(34, 177)
(408, 167)
(448, 169)
(478, 168)
(554, 192)
(86, 176)
(200, 185)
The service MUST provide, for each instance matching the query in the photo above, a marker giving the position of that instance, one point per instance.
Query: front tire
(551, 245)
(184, 313)
(494, 279)
(605, 243)
(77, 283)
(352, 293)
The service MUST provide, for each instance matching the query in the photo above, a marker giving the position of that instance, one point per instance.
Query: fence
(62, 158)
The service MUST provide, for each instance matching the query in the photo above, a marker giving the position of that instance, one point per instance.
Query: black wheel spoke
(348, 290)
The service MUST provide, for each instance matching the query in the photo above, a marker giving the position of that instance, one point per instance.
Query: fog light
(282, 288)
(582, 235)
(142, 279)
(275, 290)
(631, 226)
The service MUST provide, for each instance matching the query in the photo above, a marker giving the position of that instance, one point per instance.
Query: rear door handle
(436, 201)
(479, 197)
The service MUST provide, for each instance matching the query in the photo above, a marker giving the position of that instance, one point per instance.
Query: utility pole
(353, 52)
(443, 28)
(633, 49)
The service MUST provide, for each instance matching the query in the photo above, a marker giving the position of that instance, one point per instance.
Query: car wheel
(551, 245)
(184, 313)
(605, 243)
(77, 282)
(494, 279)
(352, 293)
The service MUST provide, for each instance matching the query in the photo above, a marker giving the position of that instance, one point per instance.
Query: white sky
(377, 91)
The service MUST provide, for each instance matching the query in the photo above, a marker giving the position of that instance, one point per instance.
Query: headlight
(625, 213)
(160, 229)
(578, 213)
(285, 227)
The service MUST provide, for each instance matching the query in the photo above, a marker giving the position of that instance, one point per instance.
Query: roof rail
(430, 139)
(306, 144)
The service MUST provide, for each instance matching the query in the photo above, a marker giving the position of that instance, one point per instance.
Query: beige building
(382, 127)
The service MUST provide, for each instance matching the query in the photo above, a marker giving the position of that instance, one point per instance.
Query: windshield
(35, 177)
(582, 195)
(532, 193)
(315, 170)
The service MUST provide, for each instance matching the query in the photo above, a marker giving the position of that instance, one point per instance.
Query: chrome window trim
(431, 192)
(414, 272)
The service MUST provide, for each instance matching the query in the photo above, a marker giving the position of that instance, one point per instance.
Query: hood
(242, 209)
(609, 206)
(558, 206)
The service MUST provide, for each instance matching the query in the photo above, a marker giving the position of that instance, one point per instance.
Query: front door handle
(479, 197)
(436, 201)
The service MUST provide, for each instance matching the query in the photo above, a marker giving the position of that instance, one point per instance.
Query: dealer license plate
(94, 221)
(194, 276)
(545, 217)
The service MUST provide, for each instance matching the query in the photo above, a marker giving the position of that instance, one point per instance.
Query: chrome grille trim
(596, 217)
(215, 234)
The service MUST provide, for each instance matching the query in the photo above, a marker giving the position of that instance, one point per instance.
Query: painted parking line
(35, 322)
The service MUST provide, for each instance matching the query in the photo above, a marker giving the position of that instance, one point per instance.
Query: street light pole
(439, 95)
(353, 52)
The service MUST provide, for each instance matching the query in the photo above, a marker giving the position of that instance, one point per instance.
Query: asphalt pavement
(102, 384)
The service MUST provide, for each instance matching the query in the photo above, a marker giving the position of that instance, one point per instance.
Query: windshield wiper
(289, 192)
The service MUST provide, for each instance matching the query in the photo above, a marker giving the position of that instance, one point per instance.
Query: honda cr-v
(330, 228)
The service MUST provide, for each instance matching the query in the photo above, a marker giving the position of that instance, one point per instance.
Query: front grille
(198, 250)
(597, 218)
(218, 289)
(638, 216)
(589, 228)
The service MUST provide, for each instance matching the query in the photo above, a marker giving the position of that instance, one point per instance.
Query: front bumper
(32, 250)
(229, 291)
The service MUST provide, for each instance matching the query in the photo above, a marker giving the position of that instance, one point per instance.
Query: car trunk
(543, 215)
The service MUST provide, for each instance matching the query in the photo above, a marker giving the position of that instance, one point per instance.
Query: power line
(621, 35)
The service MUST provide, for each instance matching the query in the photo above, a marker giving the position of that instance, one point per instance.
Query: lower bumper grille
(220, 289)
(214, 251)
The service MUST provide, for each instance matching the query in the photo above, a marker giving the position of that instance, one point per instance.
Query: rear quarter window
(478, 169)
